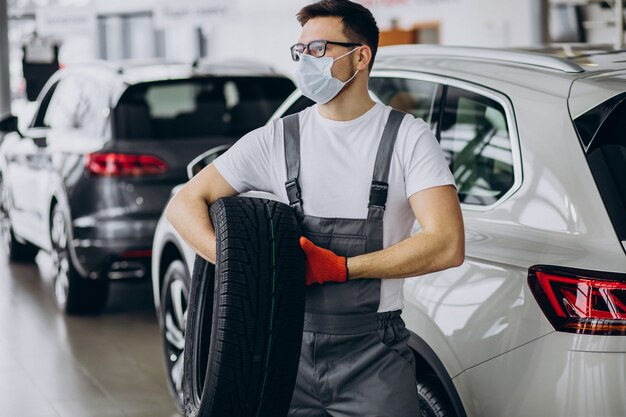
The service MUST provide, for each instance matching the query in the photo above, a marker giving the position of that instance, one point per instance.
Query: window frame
(494, 95)
(203, 156)
(437, 100)
(43, 102)
(71, 76)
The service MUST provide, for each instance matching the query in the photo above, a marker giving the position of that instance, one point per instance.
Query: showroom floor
(56, 366)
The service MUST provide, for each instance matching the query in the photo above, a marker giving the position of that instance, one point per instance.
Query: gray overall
(354, 360)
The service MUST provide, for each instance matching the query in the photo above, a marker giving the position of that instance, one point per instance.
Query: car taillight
(121, 164)
(578, 301)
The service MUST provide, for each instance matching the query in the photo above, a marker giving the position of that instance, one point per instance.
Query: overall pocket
(394, 337)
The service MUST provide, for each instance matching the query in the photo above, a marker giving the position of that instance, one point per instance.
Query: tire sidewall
(57, 210)
(84, 295)
(201, 290)
(176, 271)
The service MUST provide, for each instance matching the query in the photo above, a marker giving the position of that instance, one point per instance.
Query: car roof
(134, 71)
(564, 58)
(553, 68)
(593, 59)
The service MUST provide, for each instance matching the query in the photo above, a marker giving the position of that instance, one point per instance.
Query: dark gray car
(88, 180)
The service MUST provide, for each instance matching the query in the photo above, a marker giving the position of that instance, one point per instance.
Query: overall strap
(291, 135)
(380, 185)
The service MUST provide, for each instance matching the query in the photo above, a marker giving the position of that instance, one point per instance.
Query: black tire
(173, 317)
(14, 249)
(72, 293)
(245, 316)
(433, 399)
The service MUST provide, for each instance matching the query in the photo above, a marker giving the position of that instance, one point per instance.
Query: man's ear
(365, 57)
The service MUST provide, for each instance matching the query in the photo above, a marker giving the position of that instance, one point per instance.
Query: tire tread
(238, 382)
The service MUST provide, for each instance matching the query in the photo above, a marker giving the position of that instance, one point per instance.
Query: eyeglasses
(316, 48)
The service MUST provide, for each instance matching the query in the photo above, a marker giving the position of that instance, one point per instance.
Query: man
(357, 175)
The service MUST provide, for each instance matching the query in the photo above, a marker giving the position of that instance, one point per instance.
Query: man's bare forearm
(188, 210)
(439, 245)
(189, 215)
(420, 254)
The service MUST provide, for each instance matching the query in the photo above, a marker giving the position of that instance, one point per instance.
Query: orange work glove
(323, 265)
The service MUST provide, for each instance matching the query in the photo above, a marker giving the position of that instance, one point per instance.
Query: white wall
(263, 35)
(264, 30)
(464, 22)
(601, 35)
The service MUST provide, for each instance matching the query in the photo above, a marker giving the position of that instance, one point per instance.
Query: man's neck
(348, 105)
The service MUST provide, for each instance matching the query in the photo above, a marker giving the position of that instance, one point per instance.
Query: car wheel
(15, 250)
(432, 397)
(72, 293)
(245, 315)
(173, 317)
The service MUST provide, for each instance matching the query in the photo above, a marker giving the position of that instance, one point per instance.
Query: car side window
(476, 142)
(416, 97)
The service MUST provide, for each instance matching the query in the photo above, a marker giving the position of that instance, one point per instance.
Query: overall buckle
(294, 193)
(378, 194)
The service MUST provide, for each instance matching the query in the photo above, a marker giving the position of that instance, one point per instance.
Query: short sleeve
(424, 165)
(246, 165)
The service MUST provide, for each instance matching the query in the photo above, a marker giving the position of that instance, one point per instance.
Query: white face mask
(315, 80)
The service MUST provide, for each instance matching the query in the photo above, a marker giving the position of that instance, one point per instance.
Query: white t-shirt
(336, 168)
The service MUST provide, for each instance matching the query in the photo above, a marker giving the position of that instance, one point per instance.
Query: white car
(534, 322)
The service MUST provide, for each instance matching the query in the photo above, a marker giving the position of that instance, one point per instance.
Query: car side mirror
(193, 169)
(204, 159)
(9, 125)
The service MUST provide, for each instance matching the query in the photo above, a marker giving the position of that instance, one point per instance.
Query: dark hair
(358, 23)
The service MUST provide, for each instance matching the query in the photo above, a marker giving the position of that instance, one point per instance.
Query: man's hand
(323, 265)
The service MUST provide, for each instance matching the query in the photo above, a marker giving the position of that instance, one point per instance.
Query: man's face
(331, 29)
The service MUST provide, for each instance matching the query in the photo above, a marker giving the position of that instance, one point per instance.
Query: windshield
(198, 107)
(605, 128)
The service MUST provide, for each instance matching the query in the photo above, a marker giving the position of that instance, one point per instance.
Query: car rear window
(198, 107)
(602, 131)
